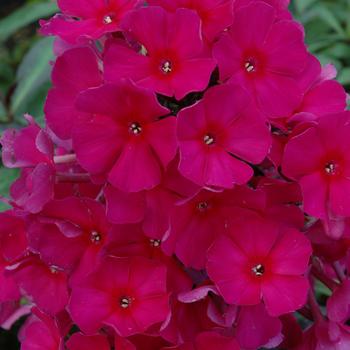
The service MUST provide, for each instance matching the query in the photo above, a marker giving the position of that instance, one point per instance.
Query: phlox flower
(41, 332)
(127, 294)
(70, 234)
(281, 6)
(89, 19)
(216, 15)
(198, 220)
(208, 341)
(322, 94)
(43, 284)
(260, 260)
(74, 71)
(318, 159)
(217, 135)
(32, 150)
(79, 341)
(255, 328)
(170, 61)
(151, 207)
(126, 139)
(264, 56)
(13, 235)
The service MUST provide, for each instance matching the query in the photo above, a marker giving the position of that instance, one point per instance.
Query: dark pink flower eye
(95, 237)
(166, 67)
(155, 242)
(135, 128)
(209, 139)
(258, 270)
(203, 206)
(125, 302)
(331, 168)
(108, 19)
(250, 66)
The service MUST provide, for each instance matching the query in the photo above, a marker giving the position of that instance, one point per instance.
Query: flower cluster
(191, 187)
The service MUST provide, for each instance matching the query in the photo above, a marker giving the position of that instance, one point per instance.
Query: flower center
(208, 139)
(203, 206)
(250, 66)
(107, 19)
(155, 242)
(95, 237)
(125, 302)
(166, 67)
(331, 168)
(135, 128)
(258, 270)
(54, 269)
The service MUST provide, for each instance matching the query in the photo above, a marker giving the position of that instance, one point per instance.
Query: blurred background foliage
(25, 64)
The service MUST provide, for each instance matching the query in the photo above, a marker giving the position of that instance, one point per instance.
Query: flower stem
(67, 158)
(64, 177)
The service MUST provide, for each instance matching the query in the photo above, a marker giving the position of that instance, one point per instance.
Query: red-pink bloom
(338, 304)
(254, 328)
(281, 6)
(126, 140)
(325, 335)
(45, 285)
(216, 15)
(209, 341)
(78, 341)
(215, 132)
(75, 71)
(127, 294)
(40, 332)
(152, 207)
(30, 148)
(201, 218)
(322, 95)
(319, 160)
(13, 239)
(34, 188)
(187, 321)
(8, 288)
(264, 56)
(261, 260)
(26, 147)
(144, 342)
(171, 61)
(328, 248)
(70, 234)
(87, 19)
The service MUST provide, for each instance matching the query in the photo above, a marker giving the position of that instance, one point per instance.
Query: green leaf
(344, 76)
(2, 112)
(329, 17)
(32, 75)
(302, 5)
(7, 176)
(25, 15)
(339, 50)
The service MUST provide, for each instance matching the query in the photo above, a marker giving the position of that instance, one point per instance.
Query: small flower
(259, 260)
(215, 132)
(318, 159)
(86, 19)
(215, 15)
(127, 294)
(264, 56)
(125, 140)
(171, 62)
